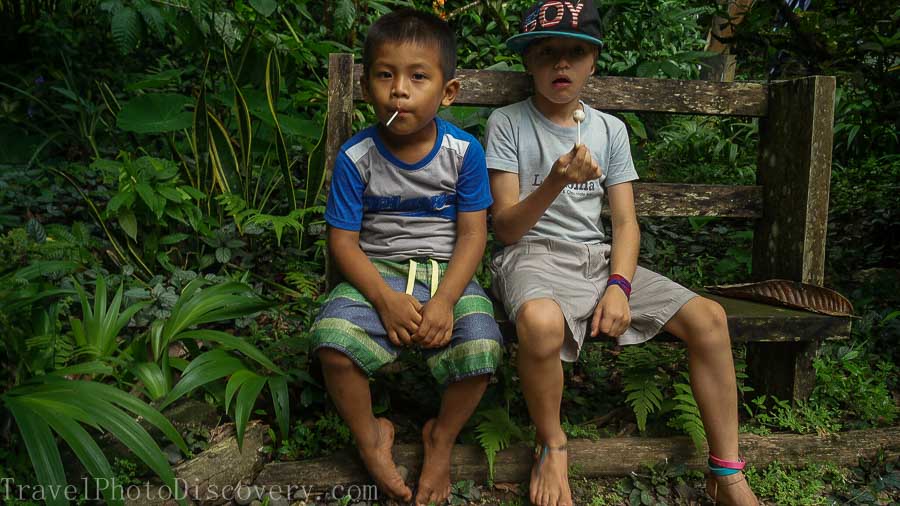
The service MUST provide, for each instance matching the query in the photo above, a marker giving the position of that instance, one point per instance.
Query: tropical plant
(52, 404)
(496, 431)
(97, 335)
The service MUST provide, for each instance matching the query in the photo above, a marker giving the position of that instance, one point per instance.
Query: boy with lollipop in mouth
(551, 159)
(407, 229)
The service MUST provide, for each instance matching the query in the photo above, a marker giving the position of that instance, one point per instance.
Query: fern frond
(644, 397)
(276, 222)
(307, 285)
(495, 432)
(126, 28)
(688, 419)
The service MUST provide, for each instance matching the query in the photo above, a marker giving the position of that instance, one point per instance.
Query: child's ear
(364, 87)
(451, 88)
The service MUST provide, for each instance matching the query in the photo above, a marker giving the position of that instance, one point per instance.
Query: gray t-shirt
(520, 139)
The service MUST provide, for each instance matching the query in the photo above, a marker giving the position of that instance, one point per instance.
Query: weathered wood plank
(795, 171)
(664, 199)
(497, 88)
(606, 457)
(339, 127)
(339, 124)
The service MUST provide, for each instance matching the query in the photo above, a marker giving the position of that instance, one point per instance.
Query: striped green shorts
(348, 323)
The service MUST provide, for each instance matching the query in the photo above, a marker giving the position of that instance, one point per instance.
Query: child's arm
(436, 327)
(514, 218)
(613, 315)
(399, 312)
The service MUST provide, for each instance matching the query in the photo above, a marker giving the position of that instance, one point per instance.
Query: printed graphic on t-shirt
(442, 205)
(586, 188)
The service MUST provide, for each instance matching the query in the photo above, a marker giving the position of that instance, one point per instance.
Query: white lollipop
(578, 116)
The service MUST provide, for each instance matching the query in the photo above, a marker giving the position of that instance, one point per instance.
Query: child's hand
(436, 327)
(577, 166)
(400, 315)
(612, 315)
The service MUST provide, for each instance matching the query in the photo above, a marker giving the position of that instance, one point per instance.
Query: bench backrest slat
(493, 88)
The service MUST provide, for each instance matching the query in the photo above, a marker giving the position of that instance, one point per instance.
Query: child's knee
(335, 360)
(707, 325)
(540, 327)
(715, 316)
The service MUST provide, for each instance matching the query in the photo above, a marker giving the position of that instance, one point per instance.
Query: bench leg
(782, 370)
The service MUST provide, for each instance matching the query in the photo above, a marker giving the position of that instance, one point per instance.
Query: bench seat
(749, 322)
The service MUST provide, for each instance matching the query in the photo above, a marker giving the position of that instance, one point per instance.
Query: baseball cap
(576, 19)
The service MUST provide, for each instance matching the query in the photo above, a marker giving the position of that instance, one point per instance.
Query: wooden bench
(789, 203)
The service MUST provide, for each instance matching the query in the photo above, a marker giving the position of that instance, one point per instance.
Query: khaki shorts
(574, 275)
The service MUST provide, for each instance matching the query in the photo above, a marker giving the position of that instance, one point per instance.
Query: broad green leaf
(206, 368)
(128, 223)
(246, 399)
(87, 451)
(95, 367)
(281, 402)
(264, 7)
(42, 450)
(125, 198)
(155, 113)
(135, 438)
(223, 255)
(153, 379)
(232, 342)
(135, 406)
(234, 384)
(173, 239)
(173, 194)
(149, 196)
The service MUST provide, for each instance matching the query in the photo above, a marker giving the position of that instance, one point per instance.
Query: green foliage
(652, 486)
(494, 432)
(653, 39)
(98, 335)
(642, 380)
(786, 485)
(855, 384)
(463, 493)
(869, 237)
(51, 404)
(688, 419)
(313, 439)
(869, 482)
(155, 113)
(806, 418)
(703, 150)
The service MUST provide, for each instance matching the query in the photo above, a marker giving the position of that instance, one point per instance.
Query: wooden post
(794, 169)
(719, 68)
(339, 125)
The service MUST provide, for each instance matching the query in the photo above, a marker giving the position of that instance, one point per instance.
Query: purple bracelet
(621, 282)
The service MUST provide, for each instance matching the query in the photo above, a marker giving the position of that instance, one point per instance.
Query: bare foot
(380, 463)
(550, 478)
(732, 490)
(434, 482)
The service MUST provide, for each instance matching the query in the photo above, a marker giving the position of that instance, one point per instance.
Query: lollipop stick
(392, 117)
(579, 132)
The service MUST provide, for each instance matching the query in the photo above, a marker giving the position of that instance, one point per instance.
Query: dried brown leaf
(793, 294)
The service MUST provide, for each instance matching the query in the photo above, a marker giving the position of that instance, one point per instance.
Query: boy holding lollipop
(559, 275)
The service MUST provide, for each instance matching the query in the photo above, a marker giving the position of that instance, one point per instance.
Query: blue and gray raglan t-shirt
(403, 210)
